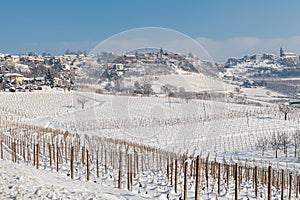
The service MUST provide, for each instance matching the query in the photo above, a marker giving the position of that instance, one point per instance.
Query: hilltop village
(33, 71)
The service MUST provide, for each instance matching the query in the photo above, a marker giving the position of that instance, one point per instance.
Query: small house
(57, 81)
(14, 78)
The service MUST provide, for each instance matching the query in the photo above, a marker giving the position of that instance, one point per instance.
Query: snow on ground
(200, 125)
(189, 81)
(226, 130)
(21, 181)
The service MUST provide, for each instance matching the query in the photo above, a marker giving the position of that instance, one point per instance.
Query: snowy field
(222, 129)
(20, 181)
(199, 126)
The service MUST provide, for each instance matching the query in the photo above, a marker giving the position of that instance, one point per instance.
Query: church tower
(281, 52)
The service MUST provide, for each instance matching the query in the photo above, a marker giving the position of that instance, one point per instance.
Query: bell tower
(281, 52)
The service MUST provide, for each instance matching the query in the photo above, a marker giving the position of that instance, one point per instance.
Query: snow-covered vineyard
(148, 147)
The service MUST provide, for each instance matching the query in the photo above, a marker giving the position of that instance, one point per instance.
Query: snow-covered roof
(289, 53)
(13, 74)
(27, 79)
(40, 78)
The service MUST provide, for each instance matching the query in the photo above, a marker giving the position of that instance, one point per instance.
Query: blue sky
(235, 26)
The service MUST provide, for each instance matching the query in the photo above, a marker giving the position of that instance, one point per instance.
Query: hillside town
(256, 70)
(33, 71)
(260, 65)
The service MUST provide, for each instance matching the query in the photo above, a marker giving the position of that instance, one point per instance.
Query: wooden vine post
(282, 184)
(185, 187)
(236, 196)
(82, 155)
(219, 178)
(198, 178)
(291, 186)
(256, 181)
(12, 153)
(171, 170)
(227, 176)
(50, 155)
(168, 168)
(72, 162)
(176, 176)
(129, 178)
(206, 172)
(34, 154)
(120, 171)
(87, 166)
(57, 157)
(297, 187)
(270, 183)
(1, 149)
(37, 156)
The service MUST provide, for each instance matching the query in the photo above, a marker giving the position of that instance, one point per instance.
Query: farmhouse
(14, 77)
(57, 81)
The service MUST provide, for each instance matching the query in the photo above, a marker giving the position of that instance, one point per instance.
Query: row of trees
(280, 140)
(144, 86)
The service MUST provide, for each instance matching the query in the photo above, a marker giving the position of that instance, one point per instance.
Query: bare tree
(82, 101)
(238, 90)
(146, 86)
(275, 142)
(263, 144)
(169, 90)
(187, 97)
(181, 90)
(296, 140)
(285, 109)
(284, 141)
(2, 85)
